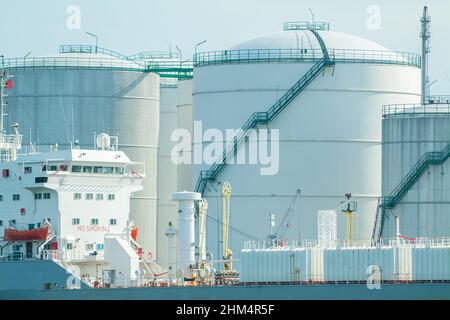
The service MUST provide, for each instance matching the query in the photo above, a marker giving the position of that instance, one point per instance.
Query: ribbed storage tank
(330, 133)
(167, 170)
(168, 64)
(410, 133)
(66, 97)
(184, 120)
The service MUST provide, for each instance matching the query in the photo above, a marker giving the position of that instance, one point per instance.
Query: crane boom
(284, 225)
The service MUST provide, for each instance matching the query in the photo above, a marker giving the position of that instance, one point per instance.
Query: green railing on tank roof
(92, 49)
(411, 110)
(164, 69)
(304, 25)
(305, 55)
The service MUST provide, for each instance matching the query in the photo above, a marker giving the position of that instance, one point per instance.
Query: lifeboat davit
(26, 235)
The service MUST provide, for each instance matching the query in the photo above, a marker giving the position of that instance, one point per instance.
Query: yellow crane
(348, 208)
(202, 232)
(227, 253)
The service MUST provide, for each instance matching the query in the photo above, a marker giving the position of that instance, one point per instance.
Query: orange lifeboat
(26, 235)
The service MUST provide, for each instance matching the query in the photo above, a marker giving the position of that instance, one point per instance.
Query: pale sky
(132, 26)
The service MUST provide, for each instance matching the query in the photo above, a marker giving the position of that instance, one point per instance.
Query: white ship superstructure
(69, 206)
(79, 195)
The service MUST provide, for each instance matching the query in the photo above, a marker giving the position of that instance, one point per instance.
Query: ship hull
(429, 291)
(26, 280)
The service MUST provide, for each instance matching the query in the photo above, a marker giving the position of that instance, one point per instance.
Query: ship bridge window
(87, 169)
(94, 221)
(77, 196)
(98, 169)
(108, 170)
(76, 169)
(111, 196)
(75, 221)
(99, 196)
(89, 196)
(118, 170)
(113, 222)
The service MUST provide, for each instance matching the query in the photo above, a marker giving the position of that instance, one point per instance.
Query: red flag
(9, 84)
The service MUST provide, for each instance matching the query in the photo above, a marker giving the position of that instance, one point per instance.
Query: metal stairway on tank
(428, 159)
(258, 118)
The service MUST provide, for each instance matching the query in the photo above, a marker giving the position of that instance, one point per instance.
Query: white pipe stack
(186, 227)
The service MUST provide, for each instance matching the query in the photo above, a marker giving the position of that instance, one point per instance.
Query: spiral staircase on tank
(258, 118)
(411, 178)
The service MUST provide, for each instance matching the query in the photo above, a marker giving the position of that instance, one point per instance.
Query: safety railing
(10, 139)
(438, 99)
(411, 110)
(166, 69)
(305, 55)
(70, 63)
(156, 55)
(342, 244)
(92, 49)
(305, 25)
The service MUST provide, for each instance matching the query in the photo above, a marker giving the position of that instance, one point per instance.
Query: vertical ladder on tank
(258, 118)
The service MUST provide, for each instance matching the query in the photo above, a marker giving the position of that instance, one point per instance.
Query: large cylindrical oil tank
(66, 97)
(184, 118)
(410, 132)
(330, 134)
(167, 169)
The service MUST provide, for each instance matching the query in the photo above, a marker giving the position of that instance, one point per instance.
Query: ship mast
(9, 144)
(4, 78)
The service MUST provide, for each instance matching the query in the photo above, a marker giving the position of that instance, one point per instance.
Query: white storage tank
(330, 134)
(410, 132)
(167, 169)
(66, 97)
(184, 121)
(168, 64)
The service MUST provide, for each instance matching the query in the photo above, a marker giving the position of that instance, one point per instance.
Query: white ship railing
(361, 243)
(72, 255)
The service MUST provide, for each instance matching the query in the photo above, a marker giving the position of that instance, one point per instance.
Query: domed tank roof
(305, 39)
